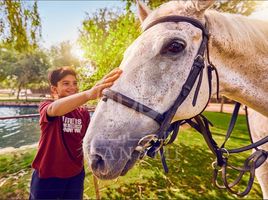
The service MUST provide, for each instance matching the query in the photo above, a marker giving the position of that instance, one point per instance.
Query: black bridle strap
(163, 159)
(229, 186)
(248, 126)
(197, 88)
(197, 68)
(198, 65)
(203, 126)
(175, 19)
(254, 145)
(249, 147)
(250, 165)
(130, 103)
(165, 119)
(175, 130)
(232, 123)
(186, 89)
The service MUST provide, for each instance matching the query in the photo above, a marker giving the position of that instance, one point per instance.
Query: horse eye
(174, 47)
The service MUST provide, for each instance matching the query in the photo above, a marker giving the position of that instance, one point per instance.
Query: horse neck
(241, 58)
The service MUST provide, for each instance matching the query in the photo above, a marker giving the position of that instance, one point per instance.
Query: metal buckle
(225, 153)
(216, 166)
(199, 62)
(145, 142)
(160, 145)
(185, 90)
(199, 56)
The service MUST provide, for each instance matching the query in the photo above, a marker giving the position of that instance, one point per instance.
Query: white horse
(156, 66)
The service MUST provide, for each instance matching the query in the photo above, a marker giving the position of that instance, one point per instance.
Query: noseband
(168, 131)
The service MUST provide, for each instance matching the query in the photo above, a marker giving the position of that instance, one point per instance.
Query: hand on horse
(106, 82)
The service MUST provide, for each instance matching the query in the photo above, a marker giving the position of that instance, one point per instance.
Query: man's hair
(56, 75)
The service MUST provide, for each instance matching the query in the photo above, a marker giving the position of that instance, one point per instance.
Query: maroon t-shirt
(54, 158)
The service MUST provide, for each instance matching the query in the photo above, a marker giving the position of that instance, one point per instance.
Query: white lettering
(72, 125)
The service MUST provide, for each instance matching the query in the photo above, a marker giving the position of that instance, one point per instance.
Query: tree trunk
(19, 89)
(222, 103)
(26, 97)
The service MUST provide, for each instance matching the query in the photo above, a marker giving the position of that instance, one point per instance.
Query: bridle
(164, 120)
(167, 132)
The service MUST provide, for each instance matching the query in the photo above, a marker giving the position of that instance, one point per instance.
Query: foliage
(20, 26)
(15, 174)
(235, 6)
(151, 3)
(29, 69)
(189, 161)
(7, 57)
(61, 55)
(22, 64)
(21, 69)
(104, 38)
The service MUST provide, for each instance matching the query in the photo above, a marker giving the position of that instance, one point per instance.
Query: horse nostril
(97, 163)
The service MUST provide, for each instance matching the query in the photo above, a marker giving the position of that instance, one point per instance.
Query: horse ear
(202, 5)
(143, 10)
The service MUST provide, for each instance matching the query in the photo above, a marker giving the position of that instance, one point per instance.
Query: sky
(61, 20)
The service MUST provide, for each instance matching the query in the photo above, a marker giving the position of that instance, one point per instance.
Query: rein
(167, 132)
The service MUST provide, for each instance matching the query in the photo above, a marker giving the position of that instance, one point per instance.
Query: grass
(15, 172)
(189, 161)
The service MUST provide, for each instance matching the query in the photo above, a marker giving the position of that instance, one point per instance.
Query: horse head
(155, 68)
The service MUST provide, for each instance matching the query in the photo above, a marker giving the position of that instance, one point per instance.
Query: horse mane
(239, 33)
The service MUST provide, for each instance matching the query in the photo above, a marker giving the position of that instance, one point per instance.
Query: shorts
(57, 188)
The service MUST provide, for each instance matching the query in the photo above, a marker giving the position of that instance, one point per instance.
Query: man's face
(65, 87)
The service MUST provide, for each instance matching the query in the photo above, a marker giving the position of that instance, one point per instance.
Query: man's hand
(106, 82)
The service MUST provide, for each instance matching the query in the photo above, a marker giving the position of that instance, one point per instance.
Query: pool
(18, 132)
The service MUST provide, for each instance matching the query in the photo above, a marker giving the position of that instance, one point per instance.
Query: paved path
(227, 108)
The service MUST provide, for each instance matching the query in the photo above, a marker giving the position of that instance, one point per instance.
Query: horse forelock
(171, 8)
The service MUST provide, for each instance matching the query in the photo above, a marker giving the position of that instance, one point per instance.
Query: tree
(30, 68)
(23, 69)
(22, 63)
(20, 26)
(62, 55)
(7, 58)
(104, 38)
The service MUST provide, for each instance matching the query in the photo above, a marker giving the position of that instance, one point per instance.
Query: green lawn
(189, 161)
